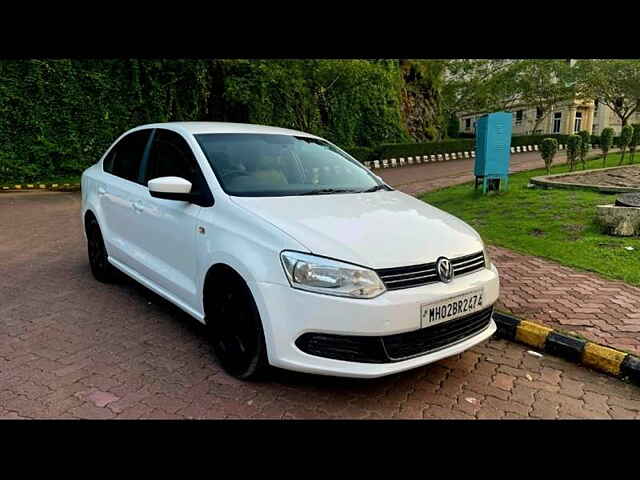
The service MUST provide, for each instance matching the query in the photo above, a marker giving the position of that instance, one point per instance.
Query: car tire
(101, 269)
(235, 330)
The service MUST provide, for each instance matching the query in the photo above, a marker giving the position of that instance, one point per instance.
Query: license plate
(454, 307)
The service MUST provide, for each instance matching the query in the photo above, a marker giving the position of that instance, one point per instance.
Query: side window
(124, 159)
(171, 156)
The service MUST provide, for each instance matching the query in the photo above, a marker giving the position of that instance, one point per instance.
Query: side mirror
(171, 188)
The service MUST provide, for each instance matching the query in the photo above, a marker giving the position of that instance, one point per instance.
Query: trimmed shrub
(606, 139)
(548, 149)
(453, 127)
(625, 139)
(573, 150)
(585, 146)
(635, 140)
(615, 142)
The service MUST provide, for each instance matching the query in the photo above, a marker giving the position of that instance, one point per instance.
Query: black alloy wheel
(101, 269)
(235, 330)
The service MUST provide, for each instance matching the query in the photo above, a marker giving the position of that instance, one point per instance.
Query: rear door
(168, 228)
(118, 193)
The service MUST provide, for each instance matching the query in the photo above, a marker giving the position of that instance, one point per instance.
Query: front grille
(417, 275)
(410, 344)
(394, 348)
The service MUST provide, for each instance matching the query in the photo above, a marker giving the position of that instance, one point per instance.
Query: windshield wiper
(329, 191)
(375, 188)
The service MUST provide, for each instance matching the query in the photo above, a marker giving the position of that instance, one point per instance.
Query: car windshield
(265, 165)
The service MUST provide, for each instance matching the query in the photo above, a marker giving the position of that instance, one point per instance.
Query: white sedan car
(290, 251)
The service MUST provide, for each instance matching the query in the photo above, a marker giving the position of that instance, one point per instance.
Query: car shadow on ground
(274, 376)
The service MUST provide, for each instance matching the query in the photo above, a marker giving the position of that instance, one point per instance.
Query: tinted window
(171, 156)
(124, 159)
(276, 165)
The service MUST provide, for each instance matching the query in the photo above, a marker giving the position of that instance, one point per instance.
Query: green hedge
(595, 140)
(397, 150)
(57, 117)
(363, 154)
(404, 150)
(522, 140)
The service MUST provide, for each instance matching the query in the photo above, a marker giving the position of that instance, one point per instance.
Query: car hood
(378, 229)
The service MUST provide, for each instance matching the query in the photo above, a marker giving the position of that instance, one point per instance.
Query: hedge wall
(362, 154)
(521, 140)
(397, 150)
(58, 116)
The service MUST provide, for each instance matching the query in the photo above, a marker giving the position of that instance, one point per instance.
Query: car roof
(225, 127)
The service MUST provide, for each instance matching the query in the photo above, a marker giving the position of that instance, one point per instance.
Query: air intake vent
(394, 348)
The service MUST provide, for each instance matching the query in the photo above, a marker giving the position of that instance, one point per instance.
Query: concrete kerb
(574, 349)
(550, 181)
(26, 187)
(446, 157)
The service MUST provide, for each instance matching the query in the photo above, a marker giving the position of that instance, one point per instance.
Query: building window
(519, 117)
(595, 106)
(467, 123)
(557, 118)
(538, 113)
(578, 122)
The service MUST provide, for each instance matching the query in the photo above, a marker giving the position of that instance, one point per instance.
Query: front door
(168, 228)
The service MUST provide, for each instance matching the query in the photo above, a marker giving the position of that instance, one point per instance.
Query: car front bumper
(288, 313)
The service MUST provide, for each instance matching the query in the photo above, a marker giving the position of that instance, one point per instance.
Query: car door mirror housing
(171, 188)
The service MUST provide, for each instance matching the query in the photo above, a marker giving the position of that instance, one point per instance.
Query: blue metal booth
(493, 146)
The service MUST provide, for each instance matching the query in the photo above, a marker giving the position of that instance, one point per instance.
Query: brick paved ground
(71, 347)
(601, 310)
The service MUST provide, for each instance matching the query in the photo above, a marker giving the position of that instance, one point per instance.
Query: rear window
(124, 159)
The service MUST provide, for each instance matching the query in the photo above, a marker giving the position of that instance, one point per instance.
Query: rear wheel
(101, 269)
(235, 329)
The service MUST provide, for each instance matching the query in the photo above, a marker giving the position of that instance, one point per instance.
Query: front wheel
(235, 330)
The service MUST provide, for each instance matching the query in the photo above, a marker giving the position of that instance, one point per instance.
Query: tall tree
(421, 90)
(477, 85)
(625, 138)
(543, 84)
(615, 83)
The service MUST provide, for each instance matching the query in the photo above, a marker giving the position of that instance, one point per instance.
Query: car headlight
(487, 259)
(331, 277)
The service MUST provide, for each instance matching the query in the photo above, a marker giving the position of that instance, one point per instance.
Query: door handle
(137, 206)
(101, 191)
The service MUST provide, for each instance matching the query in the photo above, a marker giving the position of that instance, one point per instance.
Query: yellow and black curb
(577, 350)
(61, 187)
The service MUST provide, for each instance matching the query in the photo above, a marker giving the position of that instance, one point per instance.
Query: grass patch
(555, 224)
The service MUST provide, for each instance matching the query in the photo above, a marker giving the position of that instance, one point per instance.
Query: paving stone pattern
(71, 347)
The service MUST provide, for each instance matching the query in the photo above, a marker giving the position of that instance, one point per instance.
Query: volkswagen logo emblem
(444, 269)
